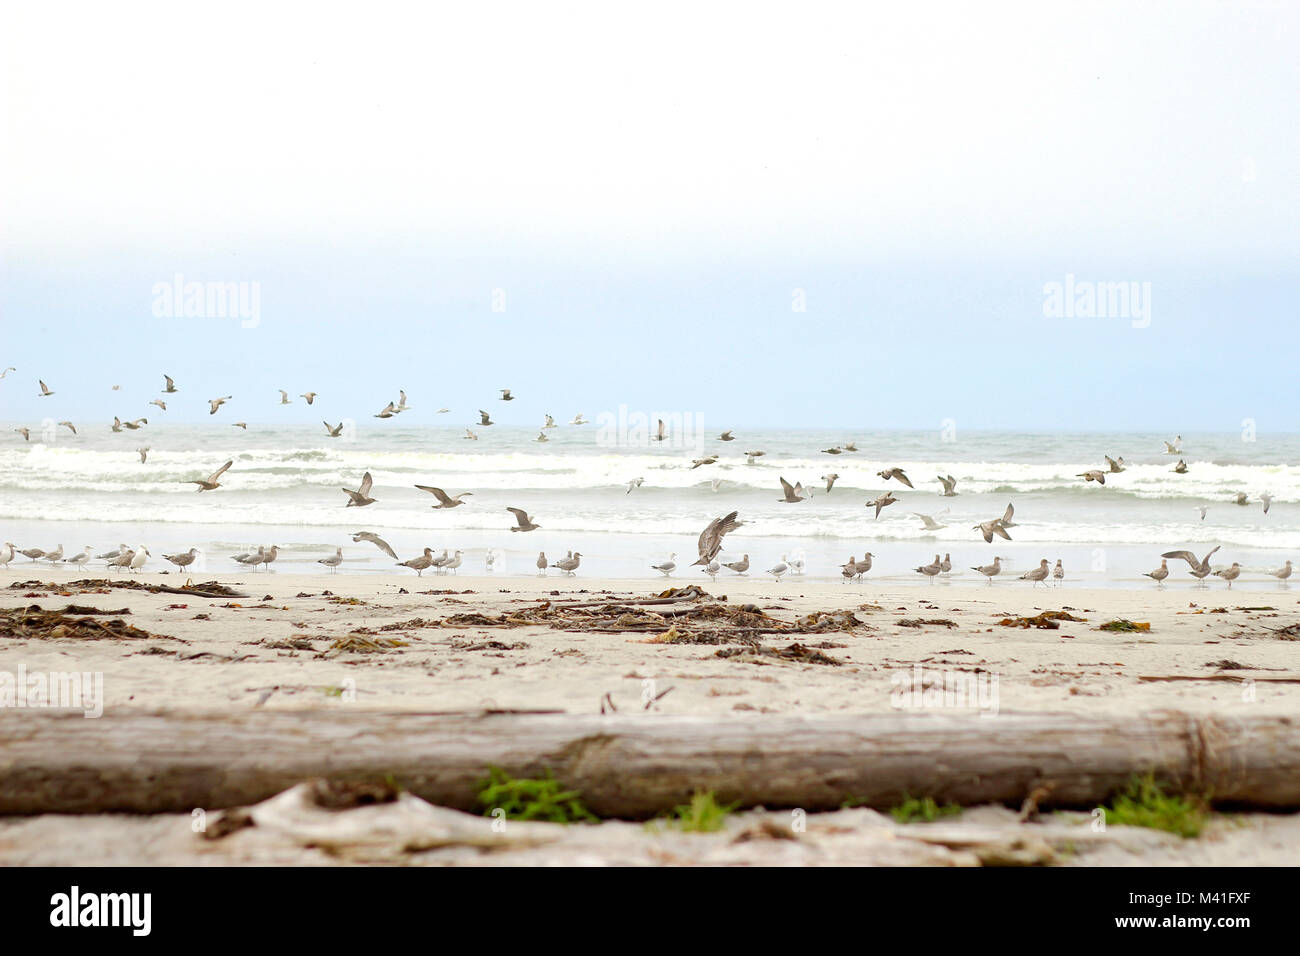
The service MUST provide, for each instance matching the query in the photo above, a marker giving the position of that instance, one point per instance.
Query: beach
(436, 643)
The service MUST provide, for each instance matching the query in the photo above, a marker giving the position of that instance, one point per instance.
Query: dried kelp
(36, 622)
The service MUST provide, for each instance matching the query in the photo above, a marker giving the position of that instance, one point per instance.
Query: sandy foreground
(276, 649)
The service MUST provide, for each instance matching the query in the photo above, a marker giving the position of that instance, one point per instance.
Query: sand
(272, 650)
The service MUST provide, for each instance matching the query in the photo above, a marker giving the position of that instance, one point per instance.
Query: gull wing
(521, 516)
(437, 493)
(785, 486)
(221, 471)
(1186, 556)
(366, 483)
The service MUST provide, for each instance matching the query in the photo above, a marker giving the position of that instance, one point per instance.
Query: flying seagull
(790, 495)
(310, 396)
(45, 390)
(484, 417)
(949, 485)
(830, 481)
(171, 386)
(334, 431)
(361, 497)
(505, 395)
(444, 500)
(523, 522)
(710, 542)
(377, 541)
(895, 473)
(211, 484)
(882, 501)
(1093, 475)
(215, 403)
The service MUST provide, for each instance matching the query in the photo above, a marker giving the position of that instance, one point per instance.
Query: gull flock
(710, 541)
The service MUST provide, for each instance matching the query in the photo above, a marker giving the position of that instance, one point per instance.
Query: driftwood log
(639, 765)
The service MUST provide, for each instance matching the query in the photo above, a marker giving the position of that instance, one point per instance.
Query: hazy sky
(650, 193)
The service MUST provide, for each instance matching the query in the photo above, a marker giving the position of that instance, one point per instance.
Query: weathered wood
(636, 765)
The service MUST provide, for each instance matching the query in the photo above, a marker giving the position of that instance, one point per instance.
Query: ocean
(284, 489)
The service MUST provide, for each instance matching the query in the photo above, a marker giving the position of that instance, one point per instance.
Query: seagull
(929, 522)
(284, 397)
(1199, 569)
(144, 456)
(1283, 572)
(184, 559)
(791, 495)
(851, 446)
(710, 542)
(334, 431)
(269, 556)
(830, 451)
(946, 564)
(1229, 574)
(444, 501)
(862, 567)
(160, 403)
(1240, 499)
(310, 396)
(211, 484)
(333, 561)
(78, 559)
(740, 567)
(726, 436)
(361, 497)
(523, 522)
(505, 395)
(54, 556)
(830, 481)
(377, 541)
(7, 552)
(250, 560)
(1058, 572)
(215, 403)
(989, 570)
(484, 417)
(451, 564)
(847, 570)
(170, 388)
(712, 569)
(110, 555)
(7, 371)
(568, 565)
(797, 562)
(779, 569)
(490, 559)
(661, 432)
(1202, 509)
(45, 391)
(886, 499)
(1175, 447)
(931, 569)
(541, 562)
(1116, 465)
(1093, 475)
(26, 433)
(34, 553)
(541, 436)
(990, 528)
(579, 420)
(949, 484)
(751, 455)
(895, 473)
(550, 423)
(138, 558)
(1267, 499)
(697, 462)
(470, 435)
(117, 424)
(1159, 574)
(442, 411)
(669, 566)
(123, 560)
(135, 425)
(1037, 574)
(634, 483)
(388, 411)
(716, 483)
(69, 426)
(1180, 468)
(401, 401)
(419, 563)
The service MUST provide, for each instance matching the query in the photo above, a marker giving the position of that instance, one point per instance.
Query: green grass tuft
(539, 799)
(1144, 804)
(703, 814)
(922, 809)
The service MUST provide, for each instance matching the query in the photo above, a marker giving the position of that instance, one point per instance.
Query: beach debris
(1125, 625)
(1048, 620)
(36, 622)
(925, 622)
(798, 653)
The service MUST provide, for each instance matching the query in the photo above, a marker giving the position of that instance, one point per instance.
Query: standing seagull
(929, 570)
(1058, 572)
(444, 500)
(712, 569)
(184, 559)
(7, 553)
(138, 558)
(361, 497)
(668, 567)
(377, 541)
(1037, 574)
(541, 562)
(211, 484)
(862, 567)
(568, 565)
(1229, 574)
(78, 559)
(333, 561)
(740, 567)
(1159, 574)
(1283, 572)
(419, 563)
(710, 542)
(990, 570)
(1199, 569)
(522, 521)
(779, 569)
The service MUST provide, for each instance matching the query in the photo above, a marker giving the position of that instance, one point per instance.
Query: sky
(834, 215)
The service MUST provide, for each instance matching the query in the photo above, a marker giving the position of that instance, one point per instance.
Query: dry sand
(272, 649)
